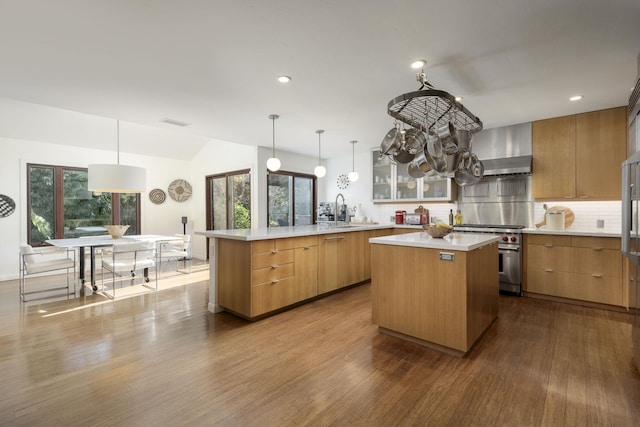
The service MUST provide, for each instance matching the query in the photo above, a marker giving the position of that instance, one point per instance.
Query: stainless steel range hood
(505, 150)
(507, 166)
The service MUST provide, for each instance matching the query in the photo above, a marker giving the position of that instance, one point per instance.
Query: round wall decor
(7, 206)
(157, 196)
(180, 190)
(343, 181)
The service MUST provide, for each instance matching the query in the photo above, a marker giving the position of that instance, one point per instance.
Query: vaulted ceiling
(214, 64)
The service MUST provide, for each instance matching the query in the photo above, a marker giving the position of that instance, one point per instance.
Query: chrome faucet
(336, 211)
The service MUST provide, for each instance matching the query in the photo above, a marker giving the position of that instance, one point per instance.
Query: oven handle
(512, 248)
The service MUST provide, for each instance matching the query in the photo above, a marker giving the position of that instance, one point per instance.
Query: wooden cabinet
(579, 156)
(255, 278)
(340, 260)
(575, 267)
(444, 303)
(554, 147)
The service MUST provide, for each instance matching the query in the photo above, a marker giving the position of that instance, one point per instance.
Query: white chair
(178, 250)
(45, 260)
(129, 257)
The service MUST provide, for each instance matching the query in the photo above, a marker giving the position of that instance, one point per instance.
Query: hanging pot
(448, 138)
(433, 153)
(392, 142)
(414, 140)
(403, 156)
(472, 174)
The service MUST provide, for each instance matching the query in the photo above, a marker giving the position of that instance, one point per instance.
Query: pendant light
(353, 175)
(110, 178)
(319, 170)
(273, 163)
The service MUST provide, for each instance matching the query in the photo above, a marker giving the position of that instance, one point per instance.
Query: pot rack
(426, 109)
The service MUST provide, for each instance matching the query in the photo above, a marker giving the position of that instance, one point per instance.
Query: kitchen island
(257, 272)
(442, 293)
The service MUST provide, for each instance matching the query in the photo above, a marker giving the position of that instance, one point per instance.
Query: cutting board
(568, 216)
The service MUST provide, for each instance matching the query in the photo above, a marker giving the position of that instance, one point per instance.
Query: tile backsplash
(586, 213)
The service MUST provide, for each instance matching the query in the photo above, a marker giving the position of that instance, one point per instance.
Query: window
(60, 206)
(291, 199)
(229, 200)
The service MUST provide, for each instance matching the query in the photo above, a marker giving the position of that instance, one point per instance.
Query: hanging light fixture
(273, 163)
(109, 178)
(353, 175)
(319, 170)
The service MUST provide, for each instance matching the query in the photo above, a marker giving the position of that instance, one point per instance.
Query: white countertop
(452, 242)
(284, 232)
(592, 232)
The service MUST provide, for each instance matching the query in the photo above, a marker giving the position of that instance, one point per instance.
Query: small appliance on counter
(416, 219)
(325, 212)
(400, 217)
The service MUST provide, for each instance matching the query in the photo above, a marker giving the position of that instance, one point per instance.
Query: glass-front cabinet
(382, 175)
(392, 183)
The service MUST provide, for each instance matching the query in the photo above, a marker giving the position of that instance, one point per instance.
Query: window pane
(41, 197)
(84, 213)
(279, 195)
(219, 203)
(240, 189)
(129, 212)
(60, 206)
(303, 200)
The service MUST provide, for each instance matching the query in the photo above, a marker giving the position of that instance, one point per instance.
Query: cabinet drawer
(267, 259)
(602, 262)
(544, 282)
(597, 242)
(270, 274)
(258, 246)
(548, 239)
(272, 296)
(556, 258)
(296, 242)
(603, 290)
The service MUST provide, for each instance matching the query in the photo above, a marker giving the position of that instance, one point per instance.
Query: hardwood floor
(163, 359)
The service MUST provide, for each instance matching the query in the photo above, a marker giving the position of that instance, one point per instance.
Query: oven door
(510, 268)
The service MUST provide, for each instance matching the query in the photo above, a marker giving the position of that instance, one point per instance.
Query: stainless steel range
(509, 253)
(503, 206)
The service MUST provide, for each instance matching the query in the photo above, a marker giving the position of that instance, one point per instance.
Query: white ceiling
(214, 63)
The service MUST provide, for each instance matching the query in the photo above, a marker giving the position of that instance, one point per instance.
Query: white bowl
(117, 231)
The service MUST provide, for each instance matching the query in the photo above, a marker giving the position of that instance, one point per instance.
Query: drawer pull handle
(597, 249)
(274, 266)
(274, 252)
(597, 276)
(548, 245)
(273, 282)
(306, 248)
(334, 238)
(548, 270)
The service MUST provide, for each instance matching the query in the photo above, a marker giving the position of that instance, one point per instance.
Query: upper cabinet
(579, 156)
(392, 183)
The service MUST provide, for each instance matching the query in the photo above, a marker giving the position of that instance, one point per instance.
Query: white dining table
(93, 242)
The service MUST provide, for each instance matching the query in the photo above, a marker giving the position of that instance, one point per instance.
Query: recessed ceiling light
(284, 79)
(418, 64)
(575, 98)
(458, 98)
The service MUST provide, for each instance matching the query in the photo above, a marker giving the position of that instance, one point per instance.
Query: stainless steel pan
(414, 140)
(392, 142)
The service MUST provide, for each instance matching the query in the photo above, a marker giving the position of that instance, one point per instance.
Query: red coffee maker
(400, 215)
